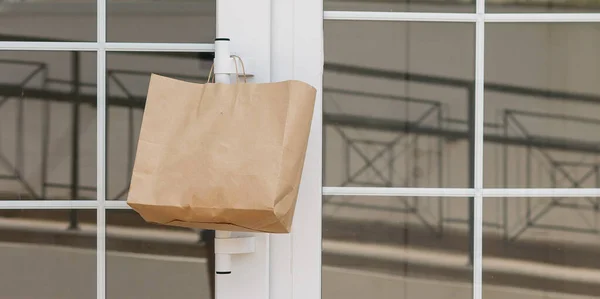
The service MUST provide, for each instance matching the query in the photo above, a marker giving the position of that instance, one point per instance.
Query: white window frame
(299, 268)
(478, 192)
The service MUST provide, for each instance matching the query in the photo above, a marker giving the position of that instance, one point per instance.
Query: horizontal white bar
(48, 204)
(547, 192)
(114, 47)
(542, 17)
(161, 47)
(48, 46)
(116, 205)
(461, 192)
(378, 191)
(461, 17)
(398, 16)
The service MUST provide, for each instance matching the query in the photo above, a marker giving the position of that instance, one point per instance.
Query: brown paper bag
(221, 156)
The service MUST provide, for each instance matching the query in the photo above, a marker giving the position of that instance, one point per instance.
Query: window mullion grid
(480, 18)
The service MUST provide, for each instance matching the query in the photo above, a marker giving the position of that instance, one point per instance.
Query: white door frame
(297, 53)
(283, 40)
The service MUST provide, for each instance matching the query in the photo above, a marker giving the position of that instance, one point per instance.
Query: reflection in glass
(177, 21)
(164, 262)
(156, 262)
(48, 20)
(401, 6)
(542, 102)
(396, 247)
(541, 6)
(464, 6)
(47, 125)
(128, 76)
(43, 256)
(127, 21)
(398, 104)
(541, 248)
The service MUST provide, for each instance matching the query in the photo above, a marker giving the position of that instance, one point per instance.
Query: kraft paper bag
(222, 156)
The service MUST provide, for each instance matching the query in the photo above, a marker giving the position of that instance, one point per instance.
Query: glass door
(459, 153)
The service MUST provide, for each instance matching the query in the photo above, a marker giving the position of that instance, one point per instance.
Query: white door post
(297, 53)
(247, 26)
(282, 40)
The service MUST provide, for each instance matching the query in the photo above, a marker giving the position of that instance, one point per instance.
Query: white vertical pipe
(222, 261)
(222, 59)
(248, 24)
(297, 53)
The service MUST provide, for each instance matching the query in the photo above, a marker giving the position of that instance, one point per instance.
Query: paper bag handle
(212, 70)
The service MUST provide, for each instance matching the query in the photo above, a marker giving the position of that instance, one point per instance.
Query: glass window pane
(47, 125)
(540, 248)
(45, 255)
(397, 99)
(396, 247)
(400, 6)
(161, 21)
(551, 6)
(164, 261)
(542, 101)
(128, 76)
(155, 262)
(48, 20)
